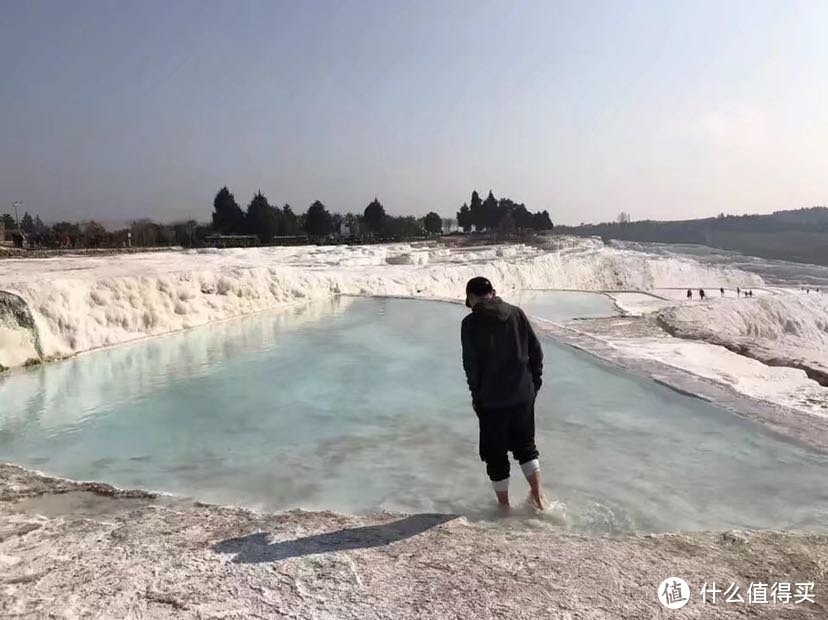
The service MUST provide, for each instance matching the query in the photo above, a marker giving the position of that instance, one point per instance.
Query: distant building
(12, 238)
(450, 225)
(231, 241)
(289, 240)
(349, 227)
(3, 241)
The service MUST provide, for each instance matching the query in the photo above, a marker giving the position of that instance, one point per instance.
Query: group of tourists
(721, 291)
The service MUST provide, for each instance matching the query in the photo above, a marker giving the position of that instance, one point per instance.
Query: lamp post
(17, 204)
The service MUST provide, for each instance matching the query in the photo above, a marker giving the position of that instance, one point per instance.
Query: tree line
(92, 234)
(269, 223)
(504, 215)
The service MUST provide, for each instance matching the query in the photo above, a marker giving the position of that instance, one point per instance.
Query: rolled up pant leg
(522, 437)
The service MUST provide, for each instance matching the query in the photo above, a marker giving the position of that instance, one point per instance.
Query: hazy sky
(117, 110)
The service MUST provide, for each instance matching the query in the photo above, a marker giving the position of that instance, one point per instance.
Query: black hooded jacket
(502, 356)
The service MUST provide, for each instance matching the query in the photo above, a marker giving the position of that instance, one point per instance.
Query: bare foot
(538, 503)
(534, 481)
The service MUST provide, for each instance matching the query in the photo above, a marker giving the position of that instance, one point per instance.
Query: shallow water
(360, 404)
(563, 305)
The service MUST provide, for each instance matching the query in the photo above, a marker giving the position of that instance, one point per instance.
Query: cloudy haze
(117, 110)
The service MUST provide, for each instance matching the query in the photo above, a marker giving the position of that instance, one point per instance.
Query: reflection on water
(361, 405)
(68, 391)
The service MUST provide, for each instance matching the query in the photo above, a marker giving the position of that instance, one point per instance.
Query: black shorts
(504, 430)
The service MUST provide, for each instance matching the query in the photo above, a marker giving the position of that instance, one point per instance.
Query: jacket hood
(494, 308)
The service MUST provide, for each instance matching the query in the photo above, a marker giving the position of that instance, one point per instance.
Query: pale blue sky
(116, 110)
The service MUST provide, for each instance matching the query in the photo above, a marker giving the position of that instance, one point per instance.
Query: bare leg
(501, 489)
(534, 481)
(531, 470)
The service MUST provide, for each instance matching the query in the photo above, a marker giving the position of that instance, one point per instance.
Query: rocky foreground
(73, 550)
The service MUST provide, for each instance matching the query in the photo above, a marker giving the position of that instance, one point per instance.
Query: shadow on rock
(255, 548)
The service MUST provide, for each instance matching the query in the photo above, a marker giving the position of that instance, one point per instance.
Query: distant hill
(799, 235)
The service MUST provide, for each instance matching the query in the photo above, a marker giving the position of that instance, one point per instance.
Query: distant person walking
(701, 294)
(738, 292)
(689, 294)
(721, 290)
(503, 361)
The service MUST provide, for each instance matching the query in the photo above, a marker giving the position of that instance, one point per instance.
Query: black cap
(478, 286)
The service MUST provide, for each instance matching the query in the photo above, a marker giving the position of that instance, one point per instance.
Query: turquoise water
(360, 404)
(564, 305)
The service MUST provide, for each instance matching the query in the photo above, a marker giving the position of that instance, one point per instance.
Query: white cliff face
(793, 316)
(787, 327)
(82, 303)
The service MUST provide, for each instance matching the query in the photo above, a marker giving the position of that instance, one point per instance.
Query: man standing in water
(503, 361)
